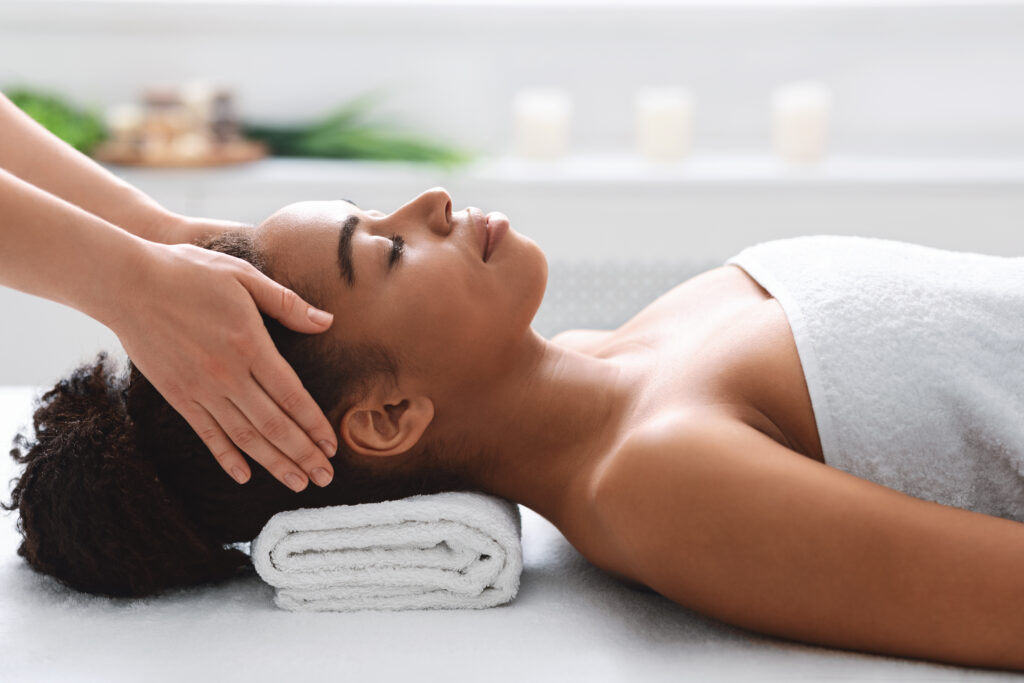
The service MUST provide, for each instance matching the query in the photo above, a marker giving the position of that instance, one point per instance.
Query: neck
(542, 435)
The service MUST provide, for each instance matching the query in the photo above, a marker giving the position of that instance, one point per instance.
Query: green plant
(345, 134)
(81, 129)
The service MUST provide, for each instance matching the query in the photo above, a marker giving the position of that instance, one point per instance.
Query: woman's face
(414, 280)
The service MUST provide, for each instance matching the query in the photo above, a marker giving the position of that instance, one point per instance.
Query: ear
(380, 427)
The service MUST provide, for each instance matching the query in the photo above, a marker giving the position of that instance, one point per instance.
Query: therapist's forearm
(58, 251)
(31, 152)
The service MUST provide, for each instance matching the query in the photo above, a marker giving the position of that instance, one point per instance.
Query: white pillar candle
(542, 118)
(800, 113)
(664, 119)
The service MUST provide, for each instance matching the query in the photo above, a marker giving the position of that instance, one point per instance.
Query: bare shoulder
(717, 516)
(648, 454)
(678, 493)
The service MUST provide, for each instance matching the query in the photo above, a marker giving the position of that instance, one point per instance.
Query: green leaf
(345, 133)
(81, 129)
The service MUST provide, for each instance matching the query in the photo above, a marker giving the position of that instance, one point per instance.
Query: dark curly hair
(120, 497)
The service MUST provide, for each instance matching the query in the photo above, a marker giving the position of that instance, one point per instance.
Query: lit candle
(664, 118)
(800, 114)
(542, 122)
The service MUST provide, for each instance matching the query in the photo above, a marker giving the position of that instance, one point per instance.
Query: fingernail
(238, 474)
(321, 477)
(294, 482)
(318, 316)
(329, 449)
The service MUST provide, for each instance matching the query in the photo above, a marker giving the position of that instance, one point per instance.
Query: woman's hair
(119, 496)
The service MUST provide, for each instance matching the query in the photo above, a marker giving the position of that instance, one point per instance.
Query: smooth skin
(717, 516)
(72, 232)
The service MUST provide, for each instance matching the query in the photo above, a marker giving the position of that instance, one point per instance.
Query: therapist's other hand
(189, 319)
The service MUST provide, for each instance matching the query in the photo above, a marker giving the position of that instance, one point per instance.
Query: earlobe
(386, 428)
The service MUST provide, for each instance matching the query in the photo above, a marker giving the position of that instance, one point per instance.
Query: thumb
(287, 307)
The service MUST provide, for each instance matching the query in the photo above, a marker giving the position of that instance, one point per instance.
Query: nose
(436, 205)
(431, 209)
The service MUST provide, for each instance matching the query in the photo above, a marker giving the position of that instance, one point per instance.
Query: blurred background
(639, 143)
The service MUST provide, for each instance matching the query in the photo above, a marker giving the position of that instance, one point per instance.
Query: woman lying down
(822, 439)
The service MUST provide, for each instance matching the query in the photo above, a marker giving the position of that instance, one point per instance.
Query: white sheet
(569, 622)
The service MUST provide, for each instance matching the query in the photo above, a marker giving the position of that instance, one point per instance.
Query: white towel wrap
(914, 361)
(451, 550)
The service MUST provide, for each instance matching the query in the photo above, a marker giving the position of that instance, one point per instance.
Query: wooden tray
(228, 153)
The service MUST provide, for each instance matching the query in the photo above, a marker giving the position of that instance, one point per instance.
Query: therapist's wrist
(111, 292)
(150, 221)
(141, 215)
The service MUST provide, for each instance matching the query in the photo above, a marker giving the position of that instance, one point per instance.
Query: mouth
(491, 227)
(496, 226)
(487, 239)
(479, 225)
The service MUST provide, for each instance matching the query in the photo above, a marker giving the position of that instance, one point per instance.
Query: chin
(524, 276)
(535, 282)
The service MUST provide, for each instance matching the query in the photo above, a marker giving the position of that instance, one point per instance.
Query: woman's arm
(718, 517)
(60, 252)
(36, 155)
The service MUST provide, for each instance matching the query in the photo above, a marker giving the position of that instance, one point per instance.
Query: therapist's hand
(189, 320)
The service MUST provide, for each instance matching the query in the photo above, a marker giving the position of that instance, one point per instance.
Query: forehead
(304, 218)
(302, 238)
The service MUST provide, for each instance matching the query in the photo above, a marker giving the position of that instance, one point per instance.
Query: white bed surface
(569, 622)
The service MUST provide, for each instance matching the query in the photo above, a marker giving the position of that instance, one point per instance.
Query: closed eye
(397, 247)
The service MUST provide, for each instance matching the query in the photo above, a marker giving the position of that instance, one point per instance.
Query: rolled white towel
(452, 550)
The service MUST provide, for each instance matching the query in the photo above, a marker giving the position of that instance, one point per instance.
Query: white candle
(542, 118)
(800, 113)
(664, 119)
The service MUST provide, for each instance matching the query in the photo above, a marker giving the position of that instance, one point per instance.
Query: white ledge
(596, 170)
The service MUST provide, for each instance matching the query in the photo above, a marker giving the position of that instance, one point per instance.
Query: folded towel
(451, 550)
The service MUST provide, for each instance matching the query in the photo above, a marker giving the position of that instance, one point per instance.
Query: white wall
(922, 78)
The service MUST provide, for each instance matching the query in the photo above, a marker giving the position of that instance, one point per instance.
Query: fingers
(216, 441)
(284, 388)
(272, 434)
(286, 306)
(257, 437)
(226, 426)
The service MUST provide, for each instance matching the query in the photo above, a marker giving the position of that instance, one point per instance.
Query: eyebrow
(345, 250)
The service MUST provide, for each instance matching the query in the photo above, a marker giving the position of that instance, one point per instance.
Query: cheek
(448, 307)
(441, 305)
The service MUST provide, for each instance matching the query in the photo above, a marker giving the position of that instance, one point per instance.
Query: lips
(479, 223)
(497, 226)
(492, 228)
